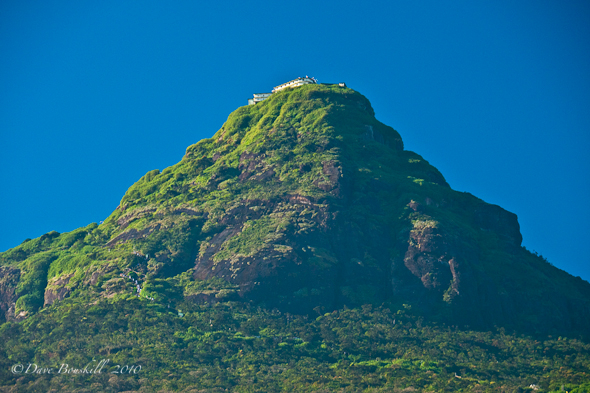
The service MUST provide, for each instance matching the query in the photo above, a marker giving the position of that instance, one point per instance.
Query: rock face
(9, 278)
(57, 289)
(306, 200)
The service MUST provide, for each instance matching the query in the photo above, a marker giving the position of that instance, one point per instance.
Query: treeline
(232, 346)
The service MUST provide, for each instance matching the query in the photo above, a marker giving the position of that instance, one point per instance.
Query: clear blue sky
(496, 95)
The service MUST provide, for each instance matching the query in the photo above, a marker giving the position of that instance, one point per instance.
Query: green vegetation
(241, 348)
(32, 285)
(298, 249)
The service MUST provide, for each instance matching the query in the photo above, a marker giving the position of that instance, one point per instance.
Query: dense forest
(151, 346)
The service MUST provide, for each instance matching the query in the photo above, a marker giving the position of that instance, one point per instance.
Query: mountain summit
(303, 202)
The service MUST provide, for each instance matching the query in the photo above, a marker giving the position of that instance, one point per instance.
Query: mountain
(306, 200)
(304, 204)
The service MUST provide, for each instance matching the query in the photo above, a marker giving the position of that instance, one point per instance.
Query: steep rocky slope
(303, 202)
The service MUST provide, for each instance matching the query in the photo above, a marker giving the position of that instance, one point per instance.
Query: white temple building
(258, 97)
(296, 82)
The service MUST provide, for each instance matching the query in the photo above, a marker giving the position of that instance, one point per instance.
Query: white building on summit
(296, 82)
(258, 97)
